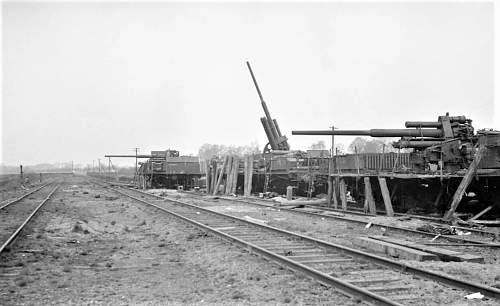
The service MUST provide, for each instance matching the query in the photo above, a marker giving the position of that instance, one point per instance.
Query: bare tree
(320, 145)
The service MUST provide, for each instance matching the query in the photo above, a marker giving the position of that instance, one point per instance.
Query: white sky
(83, 80)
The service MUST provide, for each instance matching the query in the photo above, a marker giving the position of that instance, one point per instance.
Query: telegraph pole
(135, 173)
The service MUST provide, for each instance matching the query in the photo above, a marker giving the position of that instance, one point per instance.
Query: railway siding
(248, 235)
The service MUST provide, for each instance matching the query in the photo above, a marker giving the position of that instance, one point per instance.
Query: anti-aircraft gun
(277, 141)
(449, 141)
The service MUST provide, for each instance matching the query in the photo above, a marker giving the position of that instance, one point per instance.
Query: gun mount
(277, 141)
(449, 143)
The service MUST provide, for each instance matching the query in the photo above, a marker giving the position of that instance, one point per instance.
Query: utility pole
(93, 165)
(99, 162)
(135, 173)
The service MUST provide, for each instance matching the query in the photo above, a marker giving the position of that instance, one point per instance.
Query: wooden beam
(487, 209)
(387, 197)
(249, 174)
(229, 175)
(343, 194)
(236, 163)
(245, 176)
(214, 175)
(335, 186)
(207, 175)
(459, 193)
(219, 179)
(330, 191)
(369, 201)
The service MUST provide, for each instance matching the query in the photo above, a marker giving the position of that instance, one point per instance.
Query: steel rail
(392, 227)
(453, 282)
(23, 196)
(343, 218)
(357, 211)
(354, 211)
(344, 287)
(20, 228)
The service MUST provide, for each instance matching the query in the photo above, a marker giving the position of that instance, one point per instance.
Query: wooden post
(219, 179)
(387, 197)
(330, 191)
(335, 186)
(459, 193)
(369, 201)
(250, 176)
(229, 175)
(236, 163)
(207, 174)
(245, 175)
(343, 194)
(214, 175)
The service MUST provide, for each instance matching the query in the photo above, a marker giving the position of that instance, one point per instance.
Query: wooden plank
(324, 261)
(214, 175)
(487, 209)
(335, 183)
(394, 249)
(343, 194)
(387, 197)
(250, 175)
(219, 179)
(236, 163)
(459, 193)
(369, 201)
(444, 254)
(228, 175)
(330, 192)
(245, 176)
(487, 222)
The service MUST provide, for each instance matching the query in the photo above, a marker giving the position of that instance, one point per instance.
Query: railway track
(478, 238)
(359, 212)
(17, 213)
(361, 275)
(15, 200)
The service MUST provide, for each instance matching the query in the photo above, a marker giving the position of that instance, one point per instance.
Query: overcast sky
(83, 80)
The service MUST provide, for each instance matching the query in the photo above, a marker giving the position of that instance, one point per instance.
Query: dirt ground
(343, 232)
(11, 185)
(89, 246)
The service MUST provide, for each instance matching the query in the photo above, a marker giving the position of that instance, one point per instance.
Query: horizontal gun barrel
(377, 132)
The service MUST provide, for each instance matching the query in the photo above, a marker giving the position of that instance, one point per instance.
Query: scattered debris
(248, 218)
(437, 229)
(474, 296)
(97, 196)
